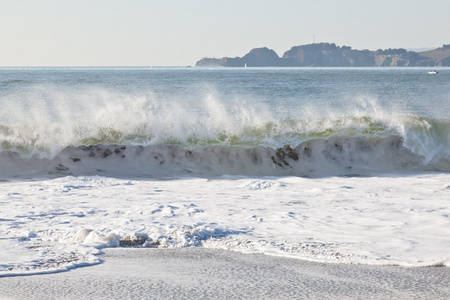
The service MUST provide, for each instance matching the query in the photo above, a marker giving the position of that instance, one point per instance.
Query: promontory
(330, 55)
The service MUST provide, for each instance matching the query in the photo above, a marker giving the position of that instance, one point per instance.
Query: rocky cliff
(330, 55)
(258, 57)
(440, 56)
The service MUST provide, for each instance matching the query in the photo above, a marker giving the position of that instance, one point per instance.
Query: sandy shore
(197, 273)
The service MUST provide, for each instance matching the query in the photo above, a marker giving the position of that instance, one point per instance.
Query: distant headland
(330, 55)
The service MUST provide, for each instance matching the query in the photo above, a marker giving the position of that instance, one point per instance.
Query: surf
(333, 156)
(45, 127)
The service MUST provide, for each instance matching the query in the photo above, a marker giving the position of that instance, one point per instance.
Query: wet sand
(198, 273)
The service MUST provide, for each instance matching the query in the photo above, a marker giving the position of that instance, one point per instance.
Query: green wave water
(422, 135)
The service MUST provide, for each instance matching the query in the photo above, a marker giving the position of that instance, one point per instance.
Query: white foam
(53, 225)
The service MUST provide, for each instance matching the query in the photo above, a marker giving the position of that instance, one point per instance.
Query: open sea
(217, 139)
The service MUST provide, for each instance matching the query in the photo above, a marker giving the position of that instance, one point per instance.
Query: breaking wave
(100, 132)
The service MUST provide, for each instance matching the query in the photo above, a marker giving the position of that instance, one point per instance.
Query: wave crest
(422, 135)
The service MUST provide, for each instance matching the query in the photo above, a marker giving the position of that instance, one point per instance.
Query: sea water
(314, 163)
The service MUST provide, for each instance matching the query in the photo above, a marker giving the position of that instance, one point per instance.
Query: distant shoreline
(330, 55)
(217, 67)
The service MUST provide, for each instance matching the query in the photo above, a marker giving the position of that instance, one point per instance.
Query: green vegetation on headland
(330, 55)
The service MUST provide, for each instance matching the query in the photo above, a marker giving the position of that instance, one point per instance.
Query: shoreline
(348, 220)
(207, 273)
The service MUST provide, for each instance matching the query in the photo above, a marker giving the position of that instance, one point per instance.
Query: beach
(195, 273)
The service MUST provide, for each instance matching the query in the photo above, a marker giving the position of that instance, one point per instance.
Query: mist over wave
(47, 129)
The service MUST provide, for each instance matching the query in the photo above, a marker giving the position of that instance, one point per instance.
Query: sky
(178, 33)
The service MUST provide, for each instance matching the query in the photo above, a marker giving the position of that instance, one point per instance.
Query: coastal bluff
(330, 55)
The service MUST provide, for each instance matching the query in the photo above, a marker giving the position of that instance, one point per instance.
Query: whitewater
(331, 165)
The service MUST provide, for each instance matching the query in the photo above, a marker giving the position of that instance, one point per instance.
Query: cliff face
(401, 58)
(326, 55)
(258, 57)
(330, 55)
(262, 57)
(209, 62)
(440, 56)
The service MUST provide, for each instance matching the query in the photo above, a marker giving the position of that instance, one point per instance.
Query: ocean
(346, 165)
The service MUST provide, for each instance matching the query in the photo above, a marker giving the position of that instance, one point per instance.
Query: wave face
(367, 147)
(211, 123)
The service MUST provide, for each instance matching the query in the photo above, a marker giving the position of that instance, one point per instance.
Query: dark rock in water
(280, 154)
(154, 244)
(86, 148)
(284, 155)
(339, 147)
(129, 241)
(274, 160)
(292, 155)
(106, 153)
(61, 168)
(99, 150)
(119, 150)
(307, 151)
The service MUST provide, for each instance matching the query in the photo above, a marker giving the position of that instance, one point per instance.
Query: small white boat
(432, 72)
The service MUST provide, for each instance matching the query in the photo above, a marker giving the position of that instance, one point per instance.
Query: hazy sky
(178, 33)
